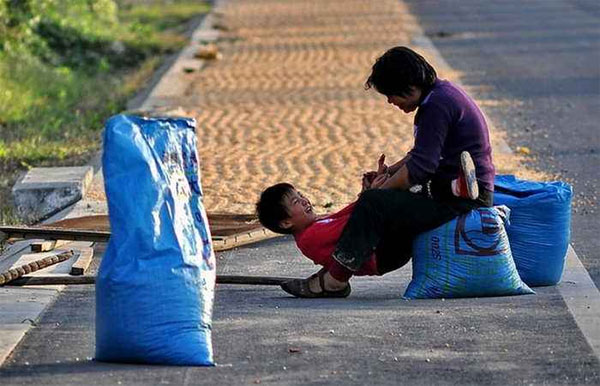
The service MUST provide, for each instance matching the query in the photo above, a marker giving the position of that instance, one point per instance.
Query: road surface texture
(262, 335)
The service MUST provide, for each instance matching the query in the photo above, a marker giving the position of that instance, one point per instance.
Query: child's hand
(381, 166)
(379, 181)
(368, 177)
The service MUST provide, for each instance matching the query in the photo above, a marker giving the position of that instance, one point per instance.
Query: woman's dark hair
(270, 209)
(399, 69)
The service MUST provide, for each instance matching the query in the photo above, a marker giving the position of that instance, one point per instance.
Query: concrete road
(264, 336)
(542, 58)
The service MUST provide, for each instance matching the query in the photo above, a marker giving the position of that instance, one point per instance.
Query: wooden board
(91, 223)
(227, 230)
(223, 243)
(83, 261)
(22, 270)
(52, 233)
(90, 279)
(220, 224)
(47, 245)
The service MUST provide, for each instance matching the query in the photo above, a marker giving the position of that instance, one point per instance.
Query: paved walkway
(289, 89)
(263, 336)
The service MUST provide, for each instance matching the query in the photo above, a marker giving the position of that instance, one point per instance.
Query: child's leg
(393, 252)
(378, 212)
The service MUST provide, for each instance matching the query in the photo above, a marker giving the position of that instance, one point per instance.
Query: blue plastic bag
(155, 286)
(466, 257)
(540, 226)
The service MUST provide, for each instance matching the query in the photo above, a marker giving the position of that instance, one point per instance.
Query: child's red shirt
(318, 241)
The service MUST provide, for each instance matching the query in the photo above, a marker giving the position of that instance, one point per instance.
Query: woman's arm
(395, 167)
(398, 180)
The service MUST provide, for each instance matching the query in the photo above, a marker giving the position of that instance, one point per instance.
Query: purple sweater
(448, 122)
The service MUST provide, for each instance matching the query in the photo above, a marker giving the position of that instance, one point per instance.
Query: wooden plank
(53, 280)
(92, 223)
(15, 273)
(24, 232)
(222, 243)
(91, 279)
(43, 246)
(47, 245)
(251, 280)
(83, 261)
(218, 222)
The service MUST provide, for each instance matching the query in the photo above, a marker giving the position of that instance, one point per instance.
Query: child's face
(300, 211)
(407, 103)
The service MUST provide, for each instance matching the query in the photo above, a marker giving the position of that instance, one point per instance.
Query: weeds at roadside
(67, 66)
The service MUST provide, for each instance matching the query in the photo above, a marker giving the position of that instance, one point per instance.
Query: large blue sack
(466, 257)
(155, 286)
(540, 226)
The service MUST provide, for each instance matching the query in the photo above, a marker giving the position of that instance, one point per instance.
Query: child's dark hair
(398, 69)
(270, 209)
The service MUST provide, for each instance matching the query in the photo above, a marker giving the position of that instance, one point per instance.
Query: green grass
(63, 77)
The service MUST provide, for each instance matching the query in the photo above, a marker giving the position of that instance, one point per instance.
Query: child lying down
(283, 209)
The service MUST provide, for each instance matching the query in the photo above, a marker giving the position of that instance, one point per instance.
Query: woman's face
(407, 103)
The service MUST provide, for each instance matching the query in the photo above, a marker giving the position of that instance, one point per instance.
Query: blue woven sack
(540, 226)
(466, 257)
(155, 285)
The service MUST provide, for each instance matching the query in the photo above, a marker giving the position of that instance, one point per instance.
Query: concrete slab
(21, 308)
(12, 252)
(42, 192)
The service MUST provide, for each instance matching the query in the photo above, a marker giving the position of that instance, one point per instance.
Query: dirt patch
(287, 102)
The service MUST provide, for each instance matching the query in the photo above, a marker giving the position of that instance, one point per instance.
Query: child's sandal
(467, 179)
(301, 289)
